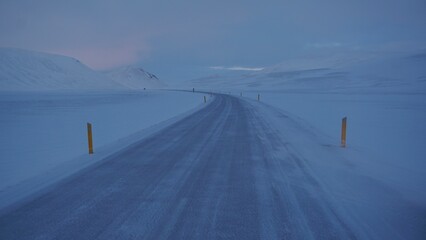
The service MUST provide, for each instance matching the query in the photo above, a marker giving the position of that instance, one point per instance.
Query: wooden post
(89, 137)
(258, 97)
(241, 94)
(344, 132)
(193, 89)
(205, 100)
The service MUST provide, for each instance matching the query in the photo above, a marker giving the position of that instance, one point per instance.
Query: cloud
(237, 68)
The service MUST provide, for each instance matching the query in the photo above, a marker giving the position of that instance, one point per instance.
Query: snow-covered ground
(380, 176)
(236, 168)
(376, 184)
(386, 133)
(382, 94)
(44, 131)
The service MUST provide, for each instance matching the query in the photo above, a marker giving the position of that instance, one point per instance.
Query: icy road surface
(208, 176)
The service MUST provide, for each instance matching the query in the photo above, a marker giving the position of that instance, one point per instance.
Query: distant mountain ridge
(381, 73)
(24, 70)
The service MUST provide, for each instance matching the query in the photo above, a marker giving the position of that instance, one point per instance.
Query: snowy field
(379, 179)
(45, 131)
(386, 134)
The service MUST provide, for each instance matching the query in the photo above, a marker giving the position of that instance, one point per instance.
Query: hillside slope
(135, 78)
(22, 70)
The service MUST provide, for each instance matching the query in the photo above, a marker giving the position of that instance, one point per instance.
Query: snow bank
(44, 134)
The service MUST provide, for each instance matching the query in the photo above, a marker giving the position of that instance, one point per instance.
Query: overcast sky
(178, 39)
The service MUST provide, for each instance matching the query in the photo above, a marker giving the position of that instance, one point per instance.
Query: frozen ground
(236, 169)
(45, 133)
(386, 132)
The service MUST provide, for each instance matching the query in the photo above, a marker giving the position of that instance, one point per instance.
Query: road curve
(208, 176)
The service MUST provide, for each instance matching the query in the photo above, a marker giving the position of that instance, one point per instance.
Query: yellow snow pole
(344, 132)
(89, 137)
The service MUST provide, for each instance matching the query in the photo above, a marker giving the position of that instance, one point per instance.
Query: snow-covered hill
(23, 70)
(135, 78)
(342, 73)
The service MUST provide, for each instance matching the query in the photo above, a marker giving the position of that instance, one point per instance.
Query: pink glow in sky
(102, 58)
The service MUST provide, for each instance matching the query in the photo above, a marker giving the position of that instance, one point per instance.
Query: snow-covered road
(211, 175)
